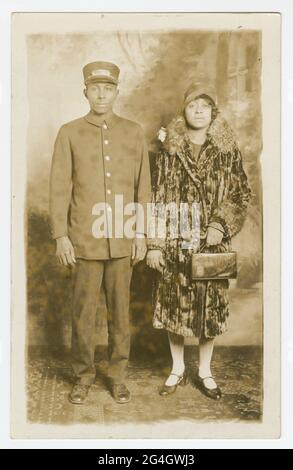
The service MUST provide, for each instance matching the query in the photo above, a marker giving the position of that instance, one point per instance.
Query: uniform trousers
(88, 277)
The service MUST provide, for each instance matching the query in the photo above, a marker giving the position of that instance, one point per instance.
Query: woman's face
(198, 113)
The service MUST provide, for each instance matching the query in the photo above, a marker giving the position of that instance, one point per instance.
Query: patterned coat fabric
(217, 181)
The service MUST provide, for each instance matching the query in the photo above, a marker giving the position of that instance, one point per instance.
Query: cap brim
(101, 78)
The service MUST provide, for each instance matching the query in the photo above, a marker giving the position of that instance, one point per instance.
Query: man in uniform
(96, 158)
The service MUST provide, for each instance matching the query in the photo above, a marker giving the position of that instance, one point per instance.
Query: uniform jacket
(95, 159)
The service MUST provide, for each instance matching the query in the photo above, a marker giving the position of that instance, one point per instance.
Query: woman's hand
(214, 236)
(155, 260)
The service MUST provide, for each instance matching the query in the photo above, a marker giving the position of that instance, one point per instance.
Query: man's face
(198, 113)
(101, 96)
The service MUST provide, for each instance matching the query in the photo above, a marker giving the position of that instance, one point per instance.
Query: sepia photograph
(145, 159)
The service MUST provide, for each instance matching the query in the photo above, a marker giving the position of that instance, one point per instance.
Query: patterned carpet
(238, 371)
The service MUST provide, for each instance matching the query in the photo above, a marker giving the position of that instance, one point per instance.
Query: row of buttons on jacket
(107, 158)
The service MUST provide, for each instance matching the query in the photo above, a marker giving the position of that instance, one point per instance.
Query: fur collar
(219, 135)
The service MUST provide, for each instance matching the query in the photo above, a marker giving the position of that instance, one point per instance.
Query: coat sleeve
(60, 184)
(142, 185)
(232, 210)
(157, 222)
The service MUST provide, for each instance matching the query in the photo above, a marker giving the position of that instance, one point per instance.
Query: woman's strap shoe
(169, 389)
(213, 393)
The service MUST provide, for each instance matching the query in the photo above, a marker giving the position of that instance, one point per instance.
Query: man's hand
(214, 236)
(65, 251)
(138, 249)
(155, 260)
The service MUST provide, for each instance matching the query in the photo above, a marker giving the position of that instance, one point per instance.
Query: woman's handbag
(214, 265)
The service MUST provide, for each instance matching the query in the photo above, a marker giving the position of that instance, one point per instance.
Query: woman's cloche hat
(195, 90)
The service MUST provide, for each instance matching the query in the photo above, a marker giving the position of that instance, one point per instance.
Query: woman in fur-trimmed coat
(199, 162)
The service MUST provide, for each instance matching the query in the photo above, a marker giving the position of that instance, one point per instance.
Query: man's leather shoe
(120, 393)
(79, 394)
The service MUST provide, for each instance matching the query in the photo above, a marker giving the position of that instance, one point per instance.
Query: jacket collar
(110, 119)
(219, 134)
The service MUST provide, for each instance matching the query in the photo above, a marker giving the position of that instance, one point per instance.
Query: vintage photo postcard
(145, 225)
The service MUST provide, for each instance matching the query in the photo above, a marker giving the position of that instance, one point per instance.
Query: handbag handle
(204, 245)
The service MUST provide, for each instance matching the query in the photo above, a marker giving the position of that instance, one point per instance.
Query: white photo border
(287, 338)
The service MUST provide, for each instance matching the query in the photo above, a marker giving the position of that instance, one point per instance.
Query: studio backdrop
(156, 68)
